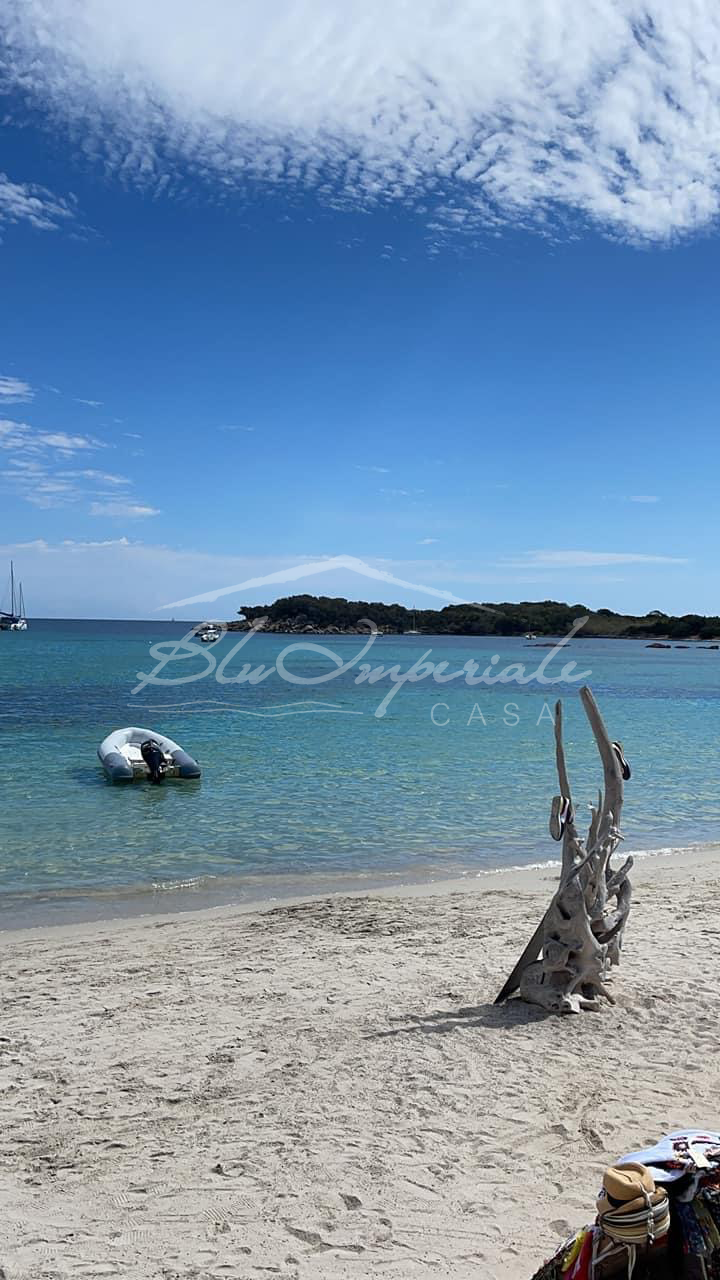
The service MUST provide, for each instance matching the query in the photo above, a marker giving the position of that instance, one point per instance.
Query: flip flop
(559, 816)
(624, 766)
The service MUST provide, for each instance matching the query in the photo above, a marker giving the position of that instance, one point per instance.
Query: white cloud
(13, 435)
(67, 443)
(26, 465)
(233, 428)
(476, 112)
(14, 390)
(381, 471)
(644, 497)
(37, 472)
(43, 485)
(93, 404)
(75, 545)
(26, 202)
(585, 559)
(427, 542)
(123, 510)
(103, 477)
(21, 437)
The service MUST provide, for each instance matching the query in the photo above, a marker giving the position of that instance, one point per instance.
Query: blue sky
(245, 326)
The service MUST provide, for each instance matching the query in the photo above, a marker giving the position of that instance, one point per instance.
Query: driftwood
(581, 934)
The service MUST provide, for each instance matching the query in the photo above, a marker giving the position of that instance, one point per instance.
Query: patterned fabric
(694, 1240)
(551, 1270)
(573, 1251)
(712, 1266)
(707, 1224)
(578, 1267)
(572, 1260)
(711, 1199)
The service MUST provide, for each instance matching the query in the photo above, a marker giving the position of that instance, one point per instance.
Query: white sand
(325, 1089)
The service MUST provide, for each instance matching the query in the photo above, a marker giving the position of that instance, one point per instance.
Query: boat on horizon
(15, 620)
(208, 633)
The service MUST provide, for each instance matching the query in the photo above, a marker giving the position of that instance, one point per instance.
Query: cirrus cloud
(475, 113)
(27, 202)
(20, 437)
(35, 469)
(123, 510)
(14, 390)
(586, 559)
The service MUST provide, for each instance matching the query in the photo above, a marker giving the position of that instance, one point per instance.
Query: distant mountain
(297, 614)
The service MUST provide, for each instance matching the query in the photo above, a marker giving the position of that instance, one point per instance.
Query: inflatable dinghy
(141, 753)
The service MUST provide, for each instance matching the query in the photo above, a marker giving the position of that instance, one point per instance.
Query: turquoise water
(337, 790)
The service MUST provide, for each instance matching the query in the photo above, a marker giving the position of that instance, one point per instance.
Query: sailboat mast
(12, 588)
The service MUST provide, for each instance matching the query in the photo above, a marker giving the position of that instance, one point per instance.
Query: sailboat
(413, 631)
(15, 620)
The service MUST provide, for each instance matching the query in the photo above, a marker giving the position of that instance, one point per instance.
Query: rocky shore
(291, 627)
(297, 627)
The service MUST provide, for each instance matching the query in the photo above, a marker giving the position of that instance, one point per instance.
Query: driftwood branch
(580, 936)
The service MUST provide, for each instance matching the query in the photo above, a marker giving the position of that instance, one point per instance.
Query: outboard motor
(154, 758)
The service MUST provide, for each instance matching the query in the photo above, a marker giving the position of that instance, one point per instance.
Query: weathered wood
(580, 936)
(531, 952)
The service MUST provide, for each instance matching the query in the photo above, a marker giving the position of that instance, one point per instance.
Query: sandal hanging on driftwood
(580, 936)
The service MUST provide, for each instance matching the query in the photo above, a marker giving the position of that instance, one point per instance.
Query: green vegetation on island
(335, 615)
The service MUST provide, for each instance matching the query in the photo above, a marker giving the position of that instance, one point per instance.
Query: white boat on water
(127, 754)
(208, 633)
(15, 619)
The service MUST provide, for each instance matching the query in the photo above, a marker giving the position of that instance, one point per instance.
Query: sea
(321, 769)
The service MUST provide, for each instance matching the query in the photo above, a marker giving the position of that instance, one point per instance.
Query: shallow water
(330, 787)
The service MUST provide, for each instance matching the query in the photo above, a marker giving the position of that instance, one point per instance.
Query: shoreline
(324, 1088)
(538, 640)
(232, 627)
(167, 905)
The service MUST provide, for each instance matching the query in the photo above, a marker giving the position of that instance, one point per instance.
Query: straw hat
(623, 1184)
(630, 1207)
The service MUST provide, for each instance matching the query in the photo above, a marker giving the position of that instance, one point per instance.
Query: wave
(663, 851)
(82, 902)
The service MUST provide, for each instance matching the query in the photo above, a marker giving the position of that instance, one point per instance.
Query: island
(334, 615)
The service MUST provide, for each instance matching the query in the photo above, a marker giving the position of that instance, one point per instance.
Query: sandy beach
(325, 1088)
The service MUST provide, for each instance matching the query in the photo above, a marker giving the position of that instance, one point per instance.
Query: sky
(400, 301)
